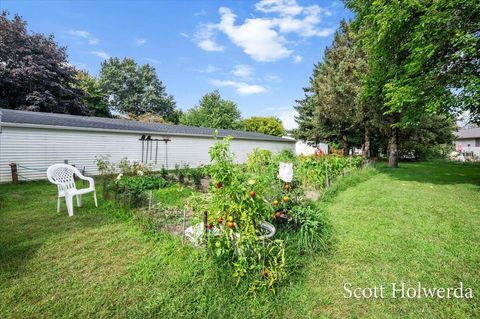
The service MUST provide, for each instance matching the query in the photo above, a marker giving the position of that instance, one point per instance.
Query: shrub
(135, 187)
(196, 174)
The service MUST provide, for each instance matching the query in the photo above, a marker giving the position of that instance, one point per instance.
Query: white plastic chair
(62, 175)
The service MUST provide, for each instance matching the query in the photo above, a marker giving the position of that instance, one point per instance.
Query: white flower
(139, 173)
(119, 176)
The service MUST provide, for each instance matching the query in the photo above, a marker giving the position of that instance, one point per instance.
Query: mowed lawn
(417, 223)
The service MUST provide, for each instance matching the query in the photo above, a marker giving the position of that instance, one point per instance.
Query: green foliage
(94, 99)
(135, 186)
(238, 205)
(422, 55)
(153, 275)
(330, 111)
(196, 174)
(312, 224)
(213, 111)
(264, 125)
(180, 172)
(134, 89)
(313, 170)
(104, 165)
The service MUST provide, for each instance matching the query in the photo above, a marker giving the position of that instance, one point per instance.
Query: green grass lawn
(418, 223)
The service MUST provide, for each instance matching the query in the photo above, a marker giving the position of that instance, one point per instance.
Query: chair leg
(58, 205)
(79, 200)
(69, 201)
(95, 198)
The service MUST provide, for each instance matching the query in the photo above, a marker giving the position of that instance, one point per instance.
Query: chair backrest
(62, 175)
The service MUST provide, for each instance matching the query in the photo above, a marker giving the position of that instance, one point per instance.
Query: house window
(477, 142)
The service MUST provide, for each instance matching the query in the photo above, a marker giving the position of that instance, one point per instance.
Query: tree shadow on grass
(435, 172)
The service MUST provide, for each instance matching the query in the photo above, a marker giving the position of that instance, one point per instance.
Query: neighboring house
(36, 140)
(468, 140)
(303, 148)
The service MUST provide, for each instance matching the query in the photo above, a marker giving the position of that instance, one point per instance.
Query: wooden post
(13, 168)
(184, 224)
(150, 200)
(205, 220)
(327, 181)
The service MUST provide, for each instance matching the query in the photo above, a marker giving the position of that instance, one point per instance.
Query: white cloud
(79, 33)
(209, 69)
(297, 59)
(264, 39)
(273, 78)
(288, 119)
(205, 39)
(79, 65)
(153, 61)
(241, 88)
(257, 37)
(282, 7)
(183, 34)
(200, 13)
(101, 54)
(140, 41)
(84, 35)
(243, 71)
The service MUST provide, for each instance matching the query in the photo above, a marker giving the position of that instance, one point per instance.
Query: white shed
(36, 140)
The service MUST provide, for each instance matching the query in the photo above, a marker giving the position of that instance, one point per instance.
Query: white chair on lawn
(62, 175)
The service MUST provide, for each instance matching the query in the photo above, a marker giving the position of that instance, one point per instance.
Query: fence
(19, 172)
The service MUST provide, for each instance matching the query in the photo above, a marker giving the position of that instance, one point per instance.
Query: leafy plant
(237, 207)
(135, 187)
(311, 226)
(196, 174)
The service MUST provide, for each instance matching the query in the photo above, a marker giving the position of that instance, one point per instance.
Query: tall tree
(265, 125)
(331, 111)
(34, 71)
(94, 98)
(215, 112)
(134, 89)
(422, 57)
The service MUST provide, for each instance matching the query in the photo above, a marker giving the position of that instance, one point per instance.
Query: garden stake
(205, 221)
(327, 182)
(184, 224)
(150, 200)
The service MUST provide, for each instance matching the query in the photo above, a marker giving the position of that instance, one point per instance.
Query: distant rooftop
(468, 133)
(101, 123)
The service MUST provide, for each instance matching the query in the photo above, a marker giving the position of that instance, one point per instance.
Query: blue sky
(257, 53)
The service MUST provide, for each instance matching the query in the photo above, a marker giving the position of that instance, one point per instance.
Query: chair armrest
(89, 179)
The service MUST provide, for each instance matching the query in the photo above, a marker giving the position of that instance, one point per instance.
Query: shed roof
(468, 133)
(89, 122)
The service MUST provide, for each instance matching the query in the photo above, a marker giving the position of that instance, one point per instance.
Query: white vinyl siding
(38, 148)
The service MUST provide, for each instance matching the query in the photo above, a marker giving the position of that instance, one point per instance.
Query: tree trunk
(366, 146)
(393, 149)
(345, 144)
